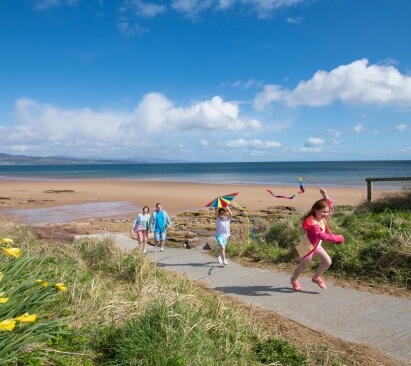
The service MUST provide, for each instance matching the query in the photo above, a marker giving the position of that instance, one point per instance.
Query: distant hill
(7, 159)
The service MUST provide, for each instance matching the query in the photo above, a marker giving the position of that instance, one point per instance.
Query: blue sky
(206, 80)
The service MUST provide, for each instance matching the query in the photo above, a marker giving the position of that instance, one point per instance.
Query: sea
(345, 174)
(320, 173)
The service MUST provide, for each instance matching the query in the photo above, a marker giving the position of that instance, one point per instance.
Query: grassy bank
(120, 309)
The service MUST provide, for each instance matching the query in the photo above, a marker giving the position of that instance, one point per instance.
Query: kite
(301, 191)
(221, 201)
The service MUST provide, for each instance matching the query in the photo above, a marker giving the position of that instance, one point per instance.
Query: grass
(377, 248)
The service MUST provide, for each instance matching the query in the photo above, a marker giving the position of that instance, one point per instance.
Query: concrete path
(381, 321)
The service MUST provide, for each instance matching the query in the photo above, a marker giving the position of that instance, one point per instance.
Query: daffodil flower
(7, 241)
(45, 284)
(61, 286)
(7, 324)
(38, 281)
(12, 252)
(26, 318)
(3, 300)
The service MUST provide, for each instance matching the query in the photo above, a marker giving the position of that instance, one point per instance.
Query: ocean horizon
(322, 173)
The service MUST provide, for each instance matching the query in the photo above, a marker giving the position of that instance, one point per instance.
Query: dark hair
(222, 210)
(148, 208)
(318, 205)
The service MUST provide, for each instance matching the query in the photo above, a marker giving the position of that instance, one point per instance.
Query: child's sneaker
(296, 285)
(161, 249)
(225, 262)
(319, 281)
(219, 259)
(155, 248)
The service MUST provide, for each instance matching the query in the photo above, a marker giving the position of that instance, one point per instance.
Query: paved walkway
(381, 321)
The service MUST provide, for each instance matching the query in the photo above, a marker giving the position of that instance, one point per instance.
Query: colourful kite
(301, 191)
(222, 201)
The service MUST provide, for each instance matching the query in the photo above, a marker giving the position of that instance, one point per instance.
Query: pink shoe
(296, 285)
(319, 281)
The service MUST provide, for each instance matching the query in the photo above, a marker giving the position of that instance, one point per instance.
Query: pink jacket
(315, 233)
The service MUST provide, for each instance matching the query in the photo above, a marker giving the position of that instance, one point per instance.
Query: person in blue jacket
(160, 221)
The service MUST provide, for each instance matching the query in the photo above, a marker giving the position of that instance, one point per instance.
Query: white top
(222, 227)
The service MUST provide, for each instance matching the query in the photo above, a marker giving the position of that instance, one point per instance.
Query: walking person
(141, 226)
(160, 221)
(315, 225)
(223, 219)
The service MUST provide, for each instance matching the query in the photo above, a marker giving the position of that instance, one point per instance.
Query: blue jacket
(160, 225)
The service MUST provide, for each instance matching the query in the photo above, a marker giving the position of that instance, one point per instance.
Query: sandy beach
(174, 196)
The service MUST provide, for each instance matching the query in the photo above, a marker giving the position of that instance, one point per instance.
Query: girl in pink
(141, 225)
(315, 225)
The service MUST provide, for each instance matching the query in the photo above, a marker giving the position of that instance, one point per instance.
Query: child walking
(223, 219)
(315, 225)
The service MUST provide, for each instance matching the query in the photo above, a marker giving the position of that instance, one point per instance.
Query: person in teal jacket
(160, 221)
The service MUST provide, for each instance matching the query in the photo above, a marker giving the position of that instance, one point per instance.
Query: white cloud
(254, 143)
(190, 7)
(359, 128)
(357, 84)
(87, 131)
(130, 29)
(143, 9)
(314, 142)
(401, 127)
(263, 8)
(294, 20)
(158, 112)
(48, 4)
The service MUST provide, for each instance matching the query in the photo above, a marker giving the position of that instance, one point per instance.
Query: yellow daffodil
(26, 318)
(7, 324)
(7, 241)
(3, 300)
(45, 284)
(61, 286)
(12, 252)
(38, 281)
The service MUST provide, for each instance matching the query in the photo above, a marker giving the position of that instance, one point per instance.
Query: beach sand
(175, 197)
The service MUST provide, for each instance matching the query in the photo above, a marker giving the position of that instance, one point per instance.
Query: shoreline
(175, 197)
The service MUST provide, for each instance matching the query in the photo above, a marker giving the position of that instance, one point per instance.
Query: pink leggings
(142, 236)
(324, 265)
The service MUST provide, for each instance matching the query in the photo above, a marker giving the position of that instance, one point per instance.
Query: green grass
(120, 309)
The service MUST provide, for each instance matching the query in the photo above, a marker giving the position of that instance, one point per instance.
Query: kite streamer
(243, 213)
(301, 191)
(311, 182)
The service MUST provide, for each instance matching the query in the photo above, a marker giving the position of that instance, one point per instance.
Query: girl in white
(223, 219)
(141, 225)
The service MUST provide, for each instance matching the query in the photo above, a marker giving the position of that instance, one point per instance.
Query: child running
(315, 225)
(223, 219)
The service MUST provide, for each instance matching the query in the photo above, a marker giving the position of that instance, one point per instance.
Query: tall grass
(124, 310)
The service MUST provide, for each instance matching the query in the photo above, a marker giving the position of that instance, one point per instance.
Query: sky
(206, 80)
